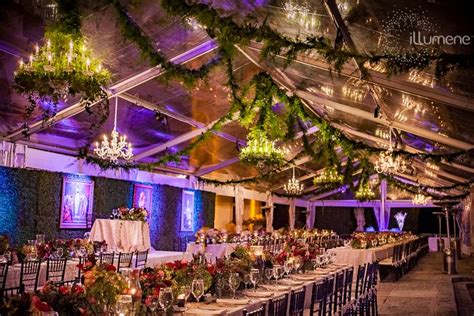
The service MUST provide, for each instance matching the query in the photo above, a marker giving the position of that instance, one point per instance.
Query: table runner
(124, 236)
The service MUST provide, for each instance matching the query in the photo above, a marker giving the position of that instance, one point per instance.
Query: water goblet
(254, 277)
(166, 298)
(60, 252)
(276, 272)
(246, 279)
(234, 283)
(268, 274)
(153, 302)
(197, 288)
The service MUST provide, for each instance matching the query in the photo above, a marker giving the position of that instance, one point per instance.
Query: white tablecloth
(433, 243)
(357, 257)
(13, 274)
(212, 250)
(125, 236)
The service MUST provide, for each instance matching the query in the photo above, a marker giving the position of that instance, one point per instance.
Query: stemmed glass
(277, 271)
(298, 264)
(59, 252)
(254, 276)
(288, 266)
(153, 302)
(246, 280)
(166, 298)
(234, 282)
(197, 288)
(186, 290)
(268, 274)
(115, 213)
(124, 304)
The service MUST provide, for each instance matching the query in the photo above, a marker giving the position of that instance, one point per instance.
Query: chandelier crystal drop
(421, 199)
(117, 147)
(387, 163)
(293, 187)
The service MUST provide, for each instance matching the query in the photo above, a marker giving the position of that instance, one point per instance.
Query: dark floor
(425, 290)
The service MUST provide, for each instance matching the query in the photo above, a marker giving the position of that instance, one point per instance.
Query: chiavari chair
(56, 269)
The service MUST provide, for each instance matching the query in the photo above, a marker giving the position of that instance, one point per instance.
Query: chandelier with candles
(261, 151)
(365, 192)
(329, 176)
(117, 148)
(387, 163)
(62, 66)
(421, 199)
(293, 187)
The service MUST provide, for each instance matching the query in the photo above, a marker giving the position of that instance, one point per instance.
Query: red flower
(39, 305)
(156, 291)
(77, 289)
(110, 267)
(63, 290)
(170, 265)
(211, 269)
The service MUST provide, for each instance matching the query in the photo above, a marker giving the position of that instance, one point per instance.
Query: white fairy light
(387, 163)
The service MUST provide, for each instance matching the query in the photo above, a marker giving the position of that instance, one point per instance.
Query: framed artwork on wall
(187, 211)
(76, 203)
(142, 196)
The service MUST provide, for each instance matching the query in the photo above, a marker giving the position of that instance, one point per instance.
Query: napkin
(290, 282)
(303, 277)
(231, 301)
(259, 294)
(276, 288)
(199, 311)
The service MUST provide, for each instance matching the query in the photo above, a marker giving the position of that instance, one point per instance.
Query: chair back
(258, 312)
(297, 302)
(29, 275)
(348, 284)
(124, 260)
(317, 296)
(141, 259)
(278, 306)
(55, 269)
(360, 280)
(3, 277)
(107, 258)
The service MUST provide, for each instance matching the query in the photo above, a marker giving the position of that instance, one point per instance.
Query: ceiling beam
(217, 166)
(177, 116)
(317, 100)
(117, 88)
(374, 203)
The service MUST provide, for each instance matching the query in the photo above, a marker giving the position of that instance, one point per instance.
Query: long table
(357, 257)
(201, 309)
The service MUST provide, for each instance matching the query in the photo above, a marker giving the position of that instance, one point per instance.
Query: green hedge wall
(30, 202)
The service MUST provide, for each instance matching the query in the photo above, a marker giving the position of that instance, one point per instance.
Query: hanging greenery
(63, 66)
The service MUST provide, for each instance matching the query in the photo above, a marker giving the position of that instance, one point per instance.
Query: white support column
(269, 211)
(310, 215)
(291, 213)
(383, 218)
(239, 207)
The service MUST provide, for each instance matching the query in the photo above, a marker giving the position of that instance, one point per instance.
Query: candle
(48, 44)
(88, 63)
(21, 63)
(69, 59)
(50, 58)
(36, 49)
(31, 60)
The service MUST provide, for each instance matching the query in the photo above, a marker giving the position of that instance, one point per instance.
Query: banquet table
(357, 257)
(13, 274)
(227, 307)
(125, 236)
(211, 250)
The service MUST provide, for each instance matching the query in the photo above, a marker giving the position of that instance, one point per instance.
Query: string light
(330, 175)
(421, 199)
(293, 187)
(117, 148)
(364, 192)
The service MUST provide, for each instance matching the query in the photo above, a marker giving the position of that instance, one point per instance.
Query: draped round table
(125, 236)
(212, 250)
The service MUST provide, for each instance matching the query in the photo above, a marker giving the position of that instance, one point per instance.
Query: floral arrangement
(211, 235)
(257, 220)
(70, 247)
(366, 240)
(133, 214)
(4, 244)
(102, 285)
(66, 300)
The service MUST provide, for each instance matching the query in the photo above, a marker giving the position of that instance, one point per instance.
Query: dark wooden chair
(278, 306)
(141, 258)
(258, 312)
(124, 260)
(297, 302)
(3, 277)
(328, 296)
(29, 274)
(317, 298)
(56, 269)
(108, 258)
(338, 298)
(348, 285)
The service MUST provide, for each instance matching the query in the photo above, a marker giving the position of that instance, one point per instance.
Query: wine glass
(288, 267)
(60, 252)
(166, 298)
(153, 303)
(124, 305)
(276, 272)
(246, 279)
(186, 291)
(298, 263)
(254, 276)
(234, 282)
(268, 274)
(115, 213)
(197, 288)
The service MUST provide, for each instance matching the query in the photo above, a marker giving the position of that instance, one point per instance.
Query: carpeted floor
(425, 290)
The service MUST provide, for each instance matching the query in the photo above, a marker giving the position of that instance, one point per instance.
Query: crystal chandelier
(387, 163)
(293, 187)
(300, 13)
(117, 148)
(261, 151)
(330, 175)
(421, 199)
